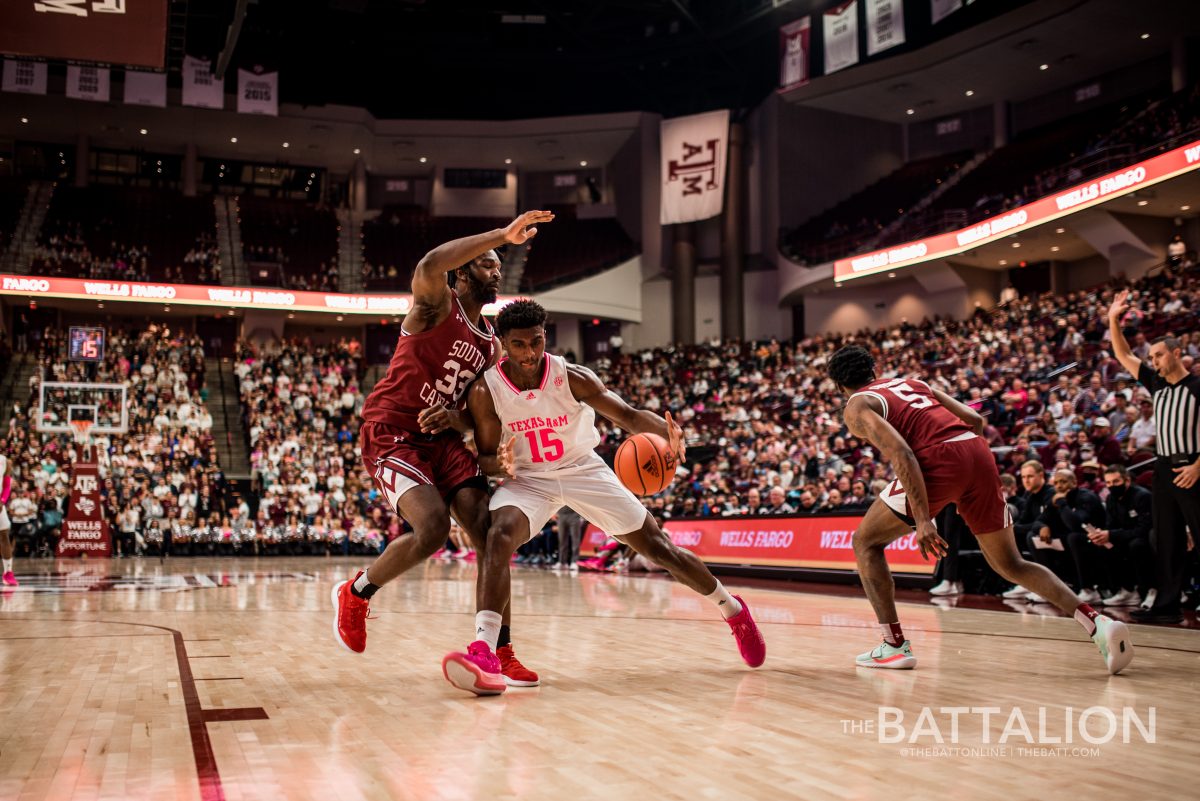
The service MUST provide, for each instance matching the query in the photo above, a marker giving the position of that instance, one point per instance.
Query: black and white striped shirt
(1176, 412)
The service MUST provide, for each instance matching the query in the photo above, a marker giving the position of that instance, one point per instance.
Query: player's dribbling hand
(1119, 306)
(929, 541)
(506, 456)
(524, 228)
(675, 438)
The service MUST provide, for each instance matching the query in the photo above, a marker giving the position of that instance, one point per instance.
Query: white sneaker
(1016, 593)
(1034, 598)
(1088, 596)
(1123, 598)
(947, 588)
(1151, 597)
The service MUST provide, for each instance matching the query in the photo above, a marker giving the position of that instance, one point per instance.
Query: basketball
(645, 464)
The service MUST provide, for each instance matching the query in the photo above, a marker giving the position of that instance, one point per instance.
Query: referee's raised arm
(1121, 350)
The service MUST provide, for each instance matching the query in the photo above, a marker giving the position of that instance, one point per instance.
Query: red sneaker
(515, 674)
(350, 619)
(749, 639)
(477, 671)
(9, 579)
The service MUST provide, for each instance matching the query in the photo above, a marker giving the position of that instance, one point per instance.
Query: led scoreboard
(86, 344)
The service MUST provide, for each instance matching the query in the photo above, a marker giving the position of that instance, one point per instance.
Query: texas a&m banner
(814, 543)
(793, 53)
(258, 92)
(85, 531)
(693, 166)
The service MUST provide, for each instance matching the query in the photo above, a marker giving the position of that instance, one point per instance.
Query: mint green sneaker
(889, 656)
(1113, 640)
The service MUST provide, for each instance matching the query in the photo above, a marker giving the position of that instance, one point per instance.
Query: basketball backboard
(60, 403)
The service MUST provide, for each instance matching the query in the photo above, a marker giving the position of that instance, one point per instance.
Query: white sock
(726, 603)
(487, 628)
(361, 582)
(7, 565)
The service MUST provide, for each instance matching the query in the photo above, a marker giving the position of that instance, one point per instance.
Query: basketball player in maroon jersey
(417, 459)
(932, 442)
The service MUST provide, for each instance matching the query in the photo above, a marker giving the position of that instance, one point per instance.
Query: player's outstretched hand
(524, 228)
(1119, 306)
(929, 541)
(507, 458)
(675, 437)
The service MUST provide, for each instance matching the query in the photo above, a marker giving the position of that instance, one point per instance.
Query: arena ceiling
(520, 59)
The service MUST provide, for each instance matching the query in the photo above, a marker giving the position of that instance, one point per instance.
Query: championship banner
(32, 287)
(940, 9)
(127, 32)
(693, 166)
(146, 89)
(26, 77)
(200, 87)
(815, 543)
(88, 83)
(258, 92)
(1061, 204)
(793, 53)
(841, 36)
(85, 531)
(885, 25)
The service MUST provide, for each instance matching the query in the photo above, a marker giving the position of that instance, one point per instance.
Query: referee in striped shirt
(1176, 394)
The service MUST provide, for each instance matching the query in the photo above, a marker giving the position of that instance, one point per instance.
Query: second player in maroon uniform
(932, 442)
(418, 461)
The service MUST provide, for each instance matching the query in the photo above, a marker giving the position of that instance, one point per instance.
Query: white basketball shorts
(593, 490)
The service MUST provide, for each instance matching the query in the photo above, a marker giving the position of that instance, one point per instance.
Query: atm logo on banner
(79, 8)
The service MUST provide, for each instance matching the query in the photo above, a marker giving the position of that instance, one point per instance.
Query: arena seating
(397, 239)
(12, 200)
(301, 237)
(122, 233)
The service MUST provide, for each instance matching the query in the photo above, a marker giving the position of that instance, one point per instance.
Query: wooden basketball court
(220, 678)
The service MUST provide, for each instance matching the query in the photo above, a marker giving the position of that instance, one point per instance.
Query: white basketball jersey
(553, 430)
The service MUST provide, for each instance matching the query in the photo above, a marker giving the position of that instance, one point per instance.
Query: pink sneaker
(477, 671)
(9, 579)
(749, 639)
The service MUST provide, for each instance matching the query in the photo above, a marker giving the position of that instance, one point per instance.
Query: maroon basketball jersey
(910, 406)
(432, 368)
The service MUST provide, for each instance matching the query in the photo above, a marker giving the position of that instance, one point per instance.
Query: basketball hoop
(82, 428)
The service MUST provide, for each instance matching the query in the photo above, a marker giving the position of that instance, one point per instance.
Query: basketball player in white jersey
(6, 547)
(535, 426)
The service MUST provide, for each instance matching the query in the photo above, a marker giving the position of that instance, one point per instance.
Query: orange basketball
(645, 464)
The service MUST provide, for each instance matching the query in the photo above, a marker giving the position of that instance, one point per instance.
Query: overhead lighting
(339, 318)
(1044, 67)
(230, 312)
(1003, 262)
(1145, 36)
(1184, 208)
(508, 161)
(1060, 230)
(166, 308)
(1143, 202)
(891, 275)
(24, 120)
(357, 151)
(422, 159)
(910, 111)
(291, 315)
(286, 144)
(970, 92)
(1054, 249)
(1016, 244)
(100, 305)
(143, 132)
(233, 139)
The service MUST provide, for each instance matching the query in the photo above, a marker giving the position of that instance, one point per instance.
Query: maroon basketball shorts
(961, 471)
(399, 460)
